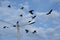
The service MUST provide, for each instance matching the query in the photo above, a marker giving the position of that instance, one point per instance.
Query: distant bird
(21, 15)
(17, 22)
(31, 12)
(14, 25)
(49, 12)
(33, 17)
(34, 31)
(5, 27)
(26, 30)
(32, 23)
(29, 21)
(22, 8)
(9, 6)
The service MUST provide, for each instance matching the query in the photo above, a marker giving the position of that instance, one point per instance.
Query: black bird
(31, 12)
(49, 12)
(17, 22)
(26, 30)
(9, 6)
(34, 31)
(33, 17)
(4, 26)
(14, 25)
(29, 21)
(21, 15)
(32, 23)
(22, 7)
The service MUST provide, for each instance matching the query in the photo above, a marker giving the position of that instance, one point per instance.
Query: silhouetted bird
(33, 17)
(26, 30)
(14, 25)
(49, 12)
(32, 23)
(21, 15)
(9, 6)
(29, 21)
(4, 27)
(34, 31)
(31, 12)
(22, 7)
(17, 22)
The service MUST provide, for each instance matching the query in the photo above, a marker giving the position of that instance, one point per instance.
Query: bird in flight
(9, 6)
(31, 23)
(49, 12)
(34, 31)
(33, 17)
(5, 27)
(22, 8)
(17, 22)
(21, 15)
(26, 30)
(31, 12)
(14, 25)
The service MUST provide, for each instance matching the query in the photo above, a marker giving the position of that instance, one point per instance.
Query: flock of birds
(31, 12)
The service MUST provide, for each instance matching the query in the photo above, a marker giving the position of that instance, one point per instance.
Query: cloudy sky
(47, 26)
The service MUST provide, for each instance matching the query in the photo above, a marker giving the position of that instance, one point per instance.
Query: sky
(47, 26)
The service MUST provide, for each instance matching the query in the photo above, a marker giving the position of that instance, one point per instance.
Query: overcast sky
(47, 26)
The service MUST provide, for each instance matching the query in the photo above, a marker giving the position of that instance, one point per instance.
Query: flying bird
(34, 31)
(29, 21)
(14, 25)
(32, 23)
(31, 12)
(21, 15)
(26, 30)
(49, 12)
(5, 27)
(33, 17)
(22, 8)
(17, 22)
(9, 6)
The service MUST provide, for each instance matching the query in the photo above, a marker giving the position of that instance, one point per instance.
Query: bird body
(34, 31)
(26, 30)
(33, 17)
(5, 27)
(31, 23)
(9, 6)
(21, 15)
(49, 12)
(31, 12)
(22, 7)
(14, 25)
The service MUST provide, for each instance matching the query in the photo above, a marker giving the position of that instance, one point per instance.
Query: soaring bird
(17, 22)
(34, 31)
(31, 23)
(31, 12)
(5, 27)
(49, 12)
(22, 8)
(21, 15)
(33, 17)
(9, 6)
(14, 25)
(26, 30)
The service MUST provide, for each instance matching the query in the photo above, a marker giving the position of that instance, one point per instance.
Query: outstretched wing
(49, 12)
